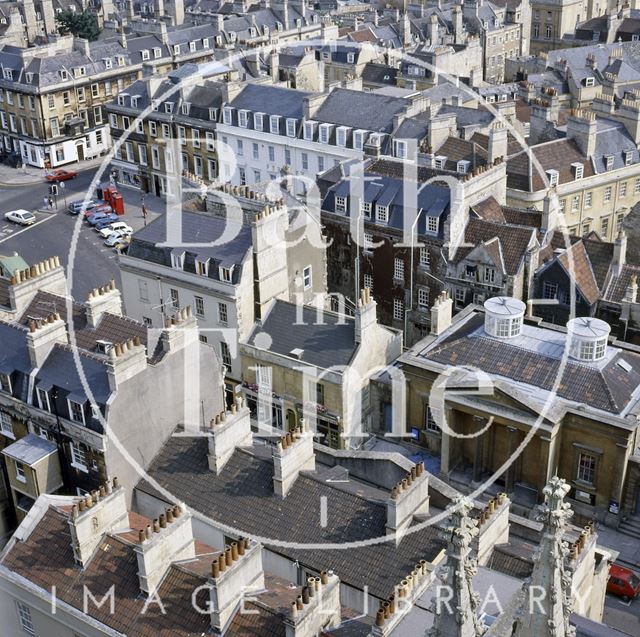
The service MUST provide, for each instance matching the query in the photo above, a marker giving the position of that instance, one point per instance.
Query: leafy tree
(82, 25)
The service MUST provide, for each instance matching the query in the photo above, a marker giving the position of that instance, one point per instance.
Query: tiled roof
(456, 149)
(519, 217)
(575, 262)
(607, 387)
(489, 210)
(505, 561)
(617, 287)
(242, 497)
(556, 155)
(600, 254)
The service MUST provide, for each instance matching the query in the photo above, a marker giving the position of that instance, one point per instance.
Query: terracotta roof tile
(489, 210)
(576, 263)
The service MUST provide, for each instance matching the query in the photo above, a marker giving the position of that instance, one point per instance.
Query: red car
(61, 175)
(97, 207)
(623, 582)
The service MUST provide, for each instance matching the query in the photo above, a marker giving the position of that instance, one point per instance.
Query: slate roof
(242, 497)
(456, 149)
(200, 230)
(324, 345)
(379, 74)
(272, 100)
(607, 387)
(357, 109)
(13, 353)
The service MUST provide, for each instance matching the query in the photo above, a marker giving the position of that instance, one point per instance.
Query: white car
(114, 238)
(23, 217)
(118, 226)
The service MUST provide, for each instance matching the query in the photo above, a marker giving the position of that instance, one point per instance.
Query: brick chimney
(441, 312)
(169, 539)
(229, 430)
(316, 608)
(619, 251)
(43, 335)
(103, 511)
(366, 315)
(293, 454)
(408, 498)
(105, 299)
(126, 360)
(582, 128)
(235, 573)
(493, 528)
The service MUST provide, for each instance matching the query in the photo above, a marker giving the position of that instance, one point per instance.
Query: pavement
(93, 263)
(627, 546)
(29, 175)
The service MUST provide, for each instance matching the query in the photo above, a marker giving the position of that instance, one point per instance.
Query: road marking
(15, 234)
(621, 601)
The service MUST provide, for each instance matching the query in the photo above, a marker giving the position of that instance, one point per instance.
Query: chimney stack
(101, 512)
(126, 360)
(441, 313)
(46, 275)
(631, 294)
(408, 498)
(234, 573)
(43, 335)
(293, 454)
(166, 542)
(317, 608)
(497, 142)
(229, 430)
(366, 315)
(493, 528)
(102, 300)
(620, 251)
(180, 331)
(582, 128)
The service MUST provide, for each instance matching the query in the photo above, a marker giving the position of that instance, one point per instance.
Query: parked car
(114, 239)
(61, 175)
(122, 245)
(23, 217)
(623, 582)
(75, 207)
(101, 216)
(105, 222)
(119, 226)
(100, 206)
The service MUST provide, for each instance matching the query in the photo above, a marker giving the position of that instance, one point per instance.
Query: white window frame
(307, 278)
(24, 617)
(70, 404)
(78, 456)
(223, 313)
(44, 402)
(6, 425)
(398, 269)
(398, 309)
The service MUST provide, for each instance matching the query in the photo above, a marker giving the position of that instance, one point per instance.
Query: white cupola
(503, 316)
(587, 338)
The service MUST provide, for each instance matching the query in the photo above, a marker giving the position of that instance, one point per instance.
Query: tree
(82, 25)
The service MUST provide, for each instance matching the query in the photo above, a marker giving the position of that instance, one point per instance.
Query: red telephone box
(117, 203)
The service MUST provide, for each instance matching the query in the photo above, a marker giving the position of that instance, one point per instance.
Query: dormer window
(29, 78)
(243, 117)
(192, 47)
(326, 55)
(5, 383)
(433, 224)
(108, 63)
(552, 176)
(463, 166)
(628, 157)
(76, 411)
(351, 57)
(185, 107)
(400, 149)
(145, 54)
(325, 133)
(43, 399)
(205, 43)
(440, 162)
(225, 274)
(177, 260)
(365, 208)
(359, 138)
(578, 170)
(590, 81)
(213, 114)
(341, 204)
(134, 101)
(309, 128)
(382, 213)
(155, 105)
(202, 267)
(176, 49)
(608, 161)
(227, 115)
(121, 99)
(232, 37)
(341, 136)
(121, 60)
(274, 124)
(291, 127)
(63, 74)
(258, 121)
(252, 32)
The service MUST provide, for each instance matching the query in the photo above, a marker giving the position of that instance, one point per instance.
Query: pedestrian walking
(50, 203)
(144, 214)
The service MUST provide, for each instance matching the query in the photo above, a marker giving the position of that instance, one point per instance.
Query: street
(624, 616)
(94, 263)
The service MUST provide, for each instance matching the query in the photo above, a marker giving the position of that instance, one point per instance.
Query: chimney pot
(141, 536)
(169, 515)
(116, 483)
(156, 526)
(89, 501)
(305, 595)
(215, 569)
(222, 562)
(163, 521)
(241, 546)
(234, 551)
(74, 511)
(294, 609)
(380, 618)
(324, 577)
(228, 556)
(103, 491)
(299, 603)
(311, 586)
(177, 511)
(148, 532)
(81, 505)
(392, 604)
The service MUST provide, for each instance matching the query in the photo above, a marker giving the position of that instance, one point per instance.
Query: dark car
(99, 216)
(75, 207)
(106, 221)
(61, 175)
